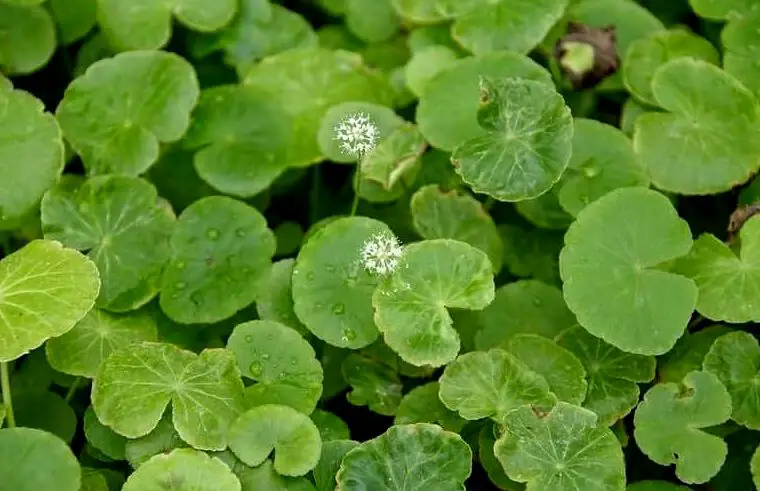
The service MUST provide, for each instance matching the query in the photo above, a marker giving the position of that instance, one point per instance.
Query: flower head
(356, 134)
(380, 253)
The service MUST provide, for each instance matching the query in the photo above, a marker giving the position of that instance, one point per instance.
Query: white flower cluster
(356, 134)
(381, 253)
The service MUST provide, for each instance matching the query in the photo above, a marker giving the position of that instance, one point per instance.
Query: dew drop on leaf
(240, 232)
(310, 275)
(256, 368)
(212, 234)
(348, 335)
(339, 308)
(249, 339)
(180, 285)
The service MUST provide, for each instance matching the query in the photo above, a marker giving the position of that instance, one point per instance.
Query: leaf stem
(5, 382)
(72, 390)
(357, 188)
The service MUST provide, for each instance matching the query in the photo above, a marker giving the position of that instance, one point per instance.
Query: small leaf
(75, 18)
(373, 384)
(134, 386)
(116, 114)
(282, 363)
(422, 405)
(410, 304)
(669, 423)
(330, 426)
(329, 463)
(33, 460)
(425, 64)
(45, 290)
(371, 20)
(28, 38)
(490, 384)
(183, 470)
(291, 435)
(418, 456)
(274, 300)
(527, 142)
(221, 247)
(563, 450)
(741, 41)
(609, 267)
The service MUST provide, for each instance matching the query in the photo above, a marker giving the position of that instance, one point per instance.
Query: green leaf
(332, 292)
(419, 11)
(562, 370)
(371, 20)
(418, 456)
(75, 18)
(545, 212)
(438, 214)
(703, 144)
(526, 142)
(145, 24)
(492, 466)
(735, 359)
(282, 363)
(161, 439)
(515, 25)
(33, 460)
(410, 304)
(373, 384)
(93, 480)
(123, 228)
(612, 374)
(183, 470)
(330, 426)
(274, 300)
(31, 152)
(525, 306)
(669, 422)
(655, 486)
(46, 411)
(263, 477)
(422, 405)
(116, 114)
(306, 83)
(755, 467)
(722, 9)
(727, 280)
(609, 267)
(563, 450)
(395, 162)
(646, 55)
(532, 252)
(221, 247)
(602, 161)
(329, 463)
(134, 386)
(102, 437)
(490, 384)
(240, 138)
(45, 290)
(688, 353)
(741, 42)
(425, 64)
(291, 435)
(448, 109)
(28, 38)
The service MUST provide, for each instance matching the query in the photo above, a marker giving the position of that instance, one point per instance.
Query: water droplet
(196, 298)
(330, 268)
(180, 285)
(294, 361)
(256, 369)
(537, 302)
(310, 275)
(240, 232)
(249, 339)
(265, 356)
(319, 305)
(180, 265)
(348, 335)
(212, 234)
(339, 309)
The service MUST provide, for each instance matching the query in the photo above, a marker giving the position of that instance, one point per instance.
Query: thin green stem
(72, 390)
(357, 188)
(5, 382)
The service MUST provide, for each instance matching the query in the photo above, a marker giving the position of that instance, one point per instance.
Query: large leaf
(33, 460)
(45, 290)
(609, 267)
(183, 470)
(527, 140)
(135, 385)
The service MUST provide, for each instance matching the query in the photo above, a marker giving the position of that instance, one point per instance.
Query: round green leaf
(735, 359)
(291, 435)
(525, 306)
(161, 439)
(410, 304)
(241, 138)
(145, 24)
(609, 267)
(33, 460)
(372, 383)
(46, 411)
(123, 228)
(527, 142)
(417, 456)
(448, 109)
(135, 384)
(741, 42)
(515, 25)
(93, 480)
(704, 144)
(612, 374)
(306, 83)
(281, 361)
(45, 289)
(395, 162)
(28, 38)
(31, 152)
(669, 422)
(426, 64)
(75, 18)
(274, 300)
(438, 214)
(562, 370)
(646, 55)
(422, 405)
(532, 252)
(728, 281)
(688, 353)
(102, 437)
(490, 384)
(221, 247)
(83, 349)
(183, 470)
(602, 161)
(722, 9)
(371, 20)
(332, 292)
(116, 114)
(563, 450)
(419, 11)
(330, 426)
(329, 463)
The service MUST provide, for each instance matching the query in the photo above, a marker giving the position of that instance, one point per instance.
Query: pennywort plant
(379, 245)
